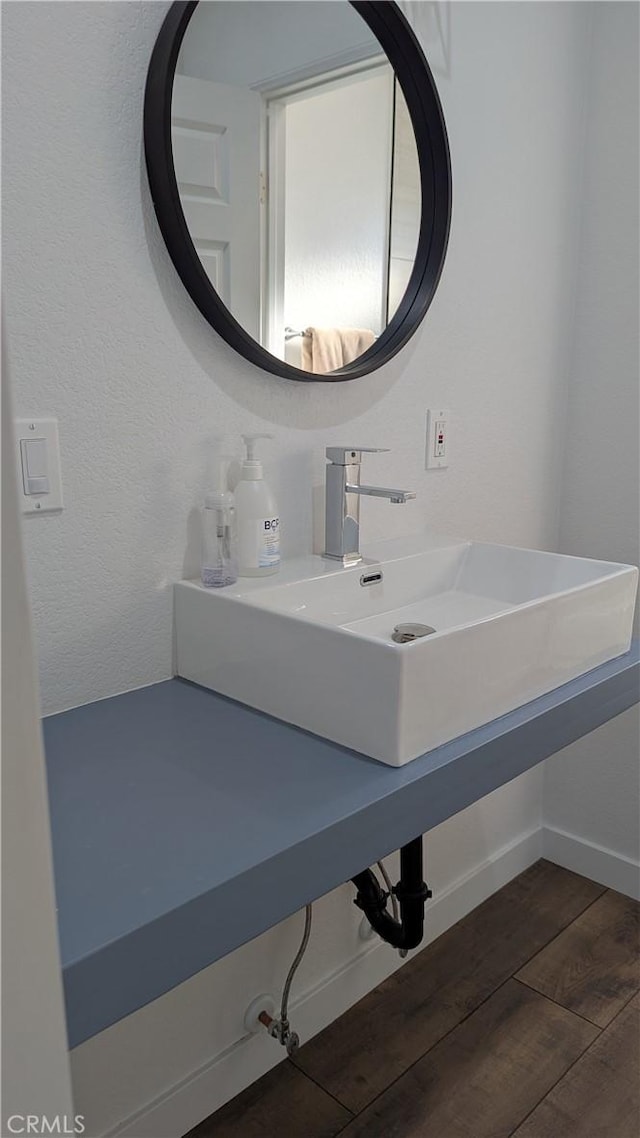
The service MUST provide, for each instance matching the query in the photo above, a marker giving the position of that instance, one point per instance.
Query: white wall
(106, 339)
(35, 1062)
(592, 789)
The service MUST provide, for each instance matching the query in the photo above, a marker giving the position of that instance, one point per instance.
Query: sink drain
(403, 633)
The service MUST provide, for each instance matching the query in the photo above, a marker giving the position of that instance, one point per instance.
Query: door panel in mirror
(215, 132)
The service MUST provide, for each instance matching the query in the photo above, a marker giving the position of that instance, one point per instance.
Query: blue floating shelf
(185, 824)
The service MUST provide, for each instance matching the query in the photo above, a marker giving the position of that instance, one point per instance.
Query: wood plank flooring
(281, 1104)
(458, 1088)
(598, 1096)
(592, 967)
(521, 1020)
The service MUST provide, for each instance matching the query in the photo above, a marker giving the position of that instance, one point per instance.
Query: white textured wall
(105, 338)
(592, 789)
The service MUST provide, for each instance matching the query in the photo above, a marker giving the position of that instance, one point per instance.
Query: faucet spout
(395, 496)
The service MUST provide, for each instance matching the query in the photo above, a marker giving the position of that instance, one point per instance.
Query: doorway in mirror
(343, 209)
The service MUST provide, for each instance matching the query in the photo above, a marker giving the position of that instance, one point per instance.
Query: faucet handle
(351, 456)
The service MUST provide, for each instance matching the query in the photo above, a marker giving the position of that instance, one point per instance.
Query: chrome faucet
(342, 501)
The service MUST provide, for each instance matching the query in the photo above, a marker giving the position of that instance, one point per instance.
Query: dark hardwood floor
(523, 1020)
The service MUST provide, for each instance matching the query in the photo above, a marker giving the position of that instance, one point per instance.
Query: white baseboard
(591, 860)
(186, 1103)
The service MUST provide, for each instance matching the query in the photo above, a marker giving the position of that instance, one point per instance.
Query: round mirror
(299, 168)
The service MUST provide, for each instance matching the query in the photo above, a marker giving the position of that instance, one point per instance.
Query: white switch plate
(438, 441)
(48, 470)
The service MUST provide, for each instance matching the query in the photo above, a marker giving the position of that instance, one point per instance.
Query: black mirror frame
(403, 51)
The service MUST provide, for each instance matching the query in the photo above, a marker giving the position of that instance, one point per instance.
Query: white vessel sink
(313, 645)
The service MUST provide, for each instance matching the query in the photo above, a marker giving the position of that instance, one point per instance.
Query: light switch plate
(34, 497)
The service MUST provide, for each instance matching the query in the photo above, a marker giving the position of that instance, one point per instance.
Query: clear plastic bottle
(219, 566)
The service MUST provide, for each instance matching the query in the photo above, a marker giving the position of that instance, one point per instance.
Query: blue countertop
(184, 824)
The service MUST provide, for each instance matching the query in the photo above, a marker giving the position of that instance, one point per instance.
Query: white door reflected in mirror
(298, 174)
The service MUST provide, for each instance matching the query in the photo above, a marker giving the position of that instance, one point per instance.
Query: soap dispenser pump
(258, 523)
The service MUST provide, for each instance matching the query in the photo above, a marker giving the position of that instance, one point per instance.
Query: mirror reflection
(298, 174)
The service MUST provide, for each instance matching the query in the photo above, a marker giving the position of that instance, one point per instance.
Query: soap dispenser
(219, 565)
(258, 523)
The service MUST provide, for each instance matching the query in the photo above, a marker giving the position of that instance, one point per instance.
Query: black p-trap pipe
(411, 891)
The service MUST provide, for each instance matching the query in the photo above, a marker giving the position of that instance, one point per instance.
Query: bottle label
(259, 543)
(268, 542)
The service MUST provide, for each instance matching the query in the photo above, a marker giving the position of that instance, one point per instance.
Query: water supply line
(411, 892)
(387, 880)
(280, 1028)
(402, 952)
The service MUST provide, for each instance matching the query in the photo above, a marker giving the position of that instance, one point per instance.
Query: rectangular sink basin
(313, 646)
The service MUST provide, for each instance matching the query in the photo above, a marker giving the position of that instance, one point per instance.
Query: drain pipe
(411, 892)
